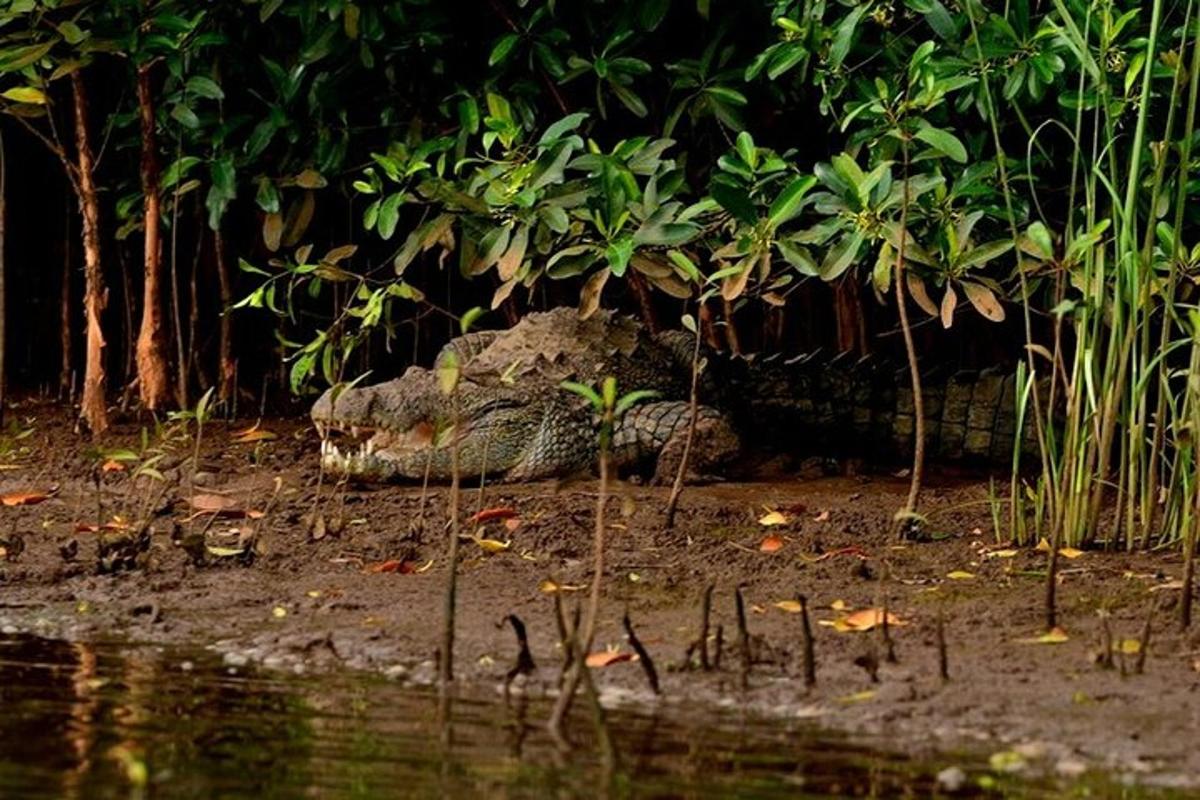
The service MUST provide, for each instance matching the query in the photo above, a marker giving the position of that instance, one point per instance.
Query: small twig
(943, 656)
(1105, 660)
(524, 664)
(701, 642)
(743, 638)
(1139, 666)
(810, 661)
(643, 656)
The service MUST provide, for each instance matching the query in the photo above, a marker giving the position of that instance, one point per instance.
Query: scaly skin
(515, 422)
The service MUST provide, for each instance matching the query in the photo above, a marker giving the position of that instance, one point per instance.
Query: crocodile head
(404, 428)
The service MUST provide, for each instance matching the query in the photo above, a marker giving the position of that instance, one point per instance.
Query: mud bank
(334, 575)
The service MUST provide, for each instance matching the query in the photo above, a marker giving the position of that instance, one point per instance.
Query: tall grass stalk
(1115, 464)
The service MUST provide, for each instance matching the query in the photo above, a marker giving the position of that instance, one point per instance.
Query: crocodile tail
(851, 406)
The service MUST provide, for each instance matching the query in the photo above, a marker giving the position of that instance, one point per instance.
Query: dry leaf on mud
(773, 518)
(1005, 553)
(491, 545)
(490, 514)
(1055, 635)
(771, 544)
(1129, 647)
(213, 503)
(607, 657)
(857, 697)
(822, 517)
(960, 575)
(399, 567)
(863, 620)
(116, 524)
(24, 498)
(548, 586)
(255, 434)
(790, 606)
(512, 523)
(112, 466)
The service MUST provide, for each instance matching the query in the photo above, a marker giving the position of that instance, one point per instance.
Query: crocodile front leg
(658, 431)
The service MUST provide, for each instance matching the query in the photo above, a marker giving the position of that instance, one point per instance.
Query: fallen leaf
(512, 523)
(490, 514)
(491, 545)
(960, 575)
(866, 620)
(822, 517)
(404, 567)
(857, 697)
(1006, 553)
(773, 518)
(255, 434)
(117, 524)
(1055, 635)
(790, 606)
(607, 657)
(224, 552)
(112, 466)
(548, 586)
(23, 498)
(771, 544)
(279, 612)
(1069, 552)
(214, 503)
(853, 550)
(1130, 647)
(840, 605)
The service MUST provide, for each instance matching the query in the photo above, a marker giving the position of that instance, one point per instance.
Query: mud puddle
(106, 720)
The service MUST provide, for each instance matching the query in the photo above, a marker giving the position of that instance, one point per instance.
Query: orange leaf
(606, 657)
(512, 523)
(771, 544)
(868, 618)
(393, 565)
(112, 466)
(252, 435)
(115, 525)
(489, 514)
(23, 498)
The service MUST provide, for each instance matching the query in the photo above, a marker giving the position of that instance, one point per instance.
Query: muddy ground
(318, 595)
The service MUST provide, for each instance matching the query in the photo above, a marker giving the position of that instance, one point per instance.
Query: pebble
(952, 779)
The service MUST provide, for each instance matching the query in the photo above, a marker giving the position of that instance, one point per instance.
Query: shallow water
(115, 721)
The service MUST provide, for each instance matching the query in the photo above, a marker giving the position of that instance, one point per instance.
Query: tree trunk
(66, 319)
(153, 385)
(3, 311)
(93, 409)
(226, 364)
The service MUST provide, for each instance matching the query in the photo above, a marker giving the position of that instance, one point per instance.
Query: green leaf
(267, 196)
(584, 391)
(944, 142)
(185, 116)
(788, 203)
(631, 399)
(503, 47)
(981, 255)
(205, 87)
(842, 256)
(470, 317)
(746, 149)
(685, 265)
(844, 35)
(389, 215)
(26, 94)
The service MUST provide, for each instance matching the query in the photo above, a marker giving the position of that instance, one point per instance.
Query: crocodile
(513, 421)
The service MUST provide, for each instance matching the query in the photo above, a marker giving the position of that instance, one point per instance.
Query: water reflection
(106, 721)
